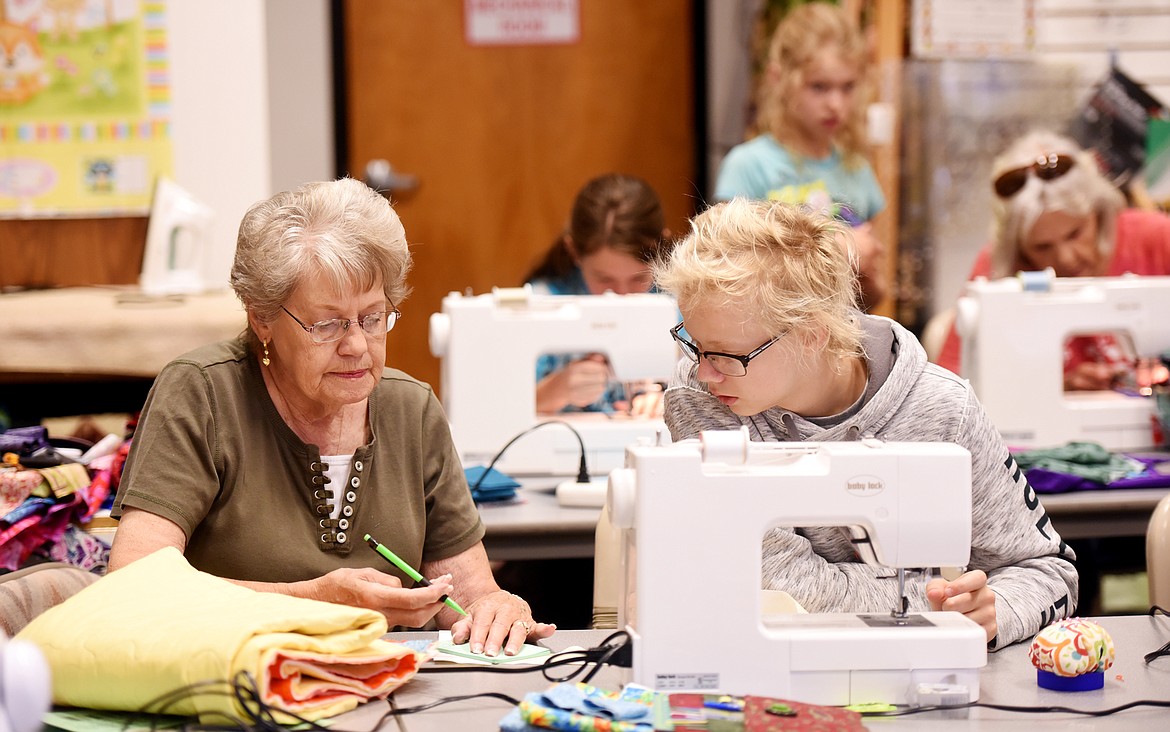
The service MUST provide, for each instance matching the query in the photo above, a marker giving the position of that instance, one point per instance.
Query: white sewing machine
(1014, 331)
(693, 517)
(489, 346)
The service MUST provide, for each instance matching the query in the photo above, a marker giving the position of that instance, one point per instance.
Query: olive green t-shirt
(212, 454)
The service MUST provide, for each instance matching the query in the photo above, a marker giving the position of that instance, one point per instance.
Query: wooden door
(501, 137)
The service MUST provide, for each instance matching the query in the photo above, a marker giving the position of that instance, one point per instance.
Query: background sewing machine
(489, 345)
(1014, 331)
(693, 517)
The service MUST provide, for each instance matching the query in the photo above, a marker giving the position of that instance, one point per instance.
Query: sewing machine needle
(904, 602)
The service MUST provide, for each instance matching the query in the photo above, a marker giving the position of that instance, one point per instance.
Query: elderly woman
(266, 459)
(773, 342)
(1053, 208)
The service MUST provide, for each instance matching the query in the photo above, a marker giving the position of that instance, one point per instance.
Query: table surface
(1008, 679)
(1103, 513)
(538, 527)
(109, 330)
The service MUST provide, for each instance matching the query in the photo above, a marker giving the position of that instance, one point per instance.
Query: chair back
(607, 573)
(1158, 554)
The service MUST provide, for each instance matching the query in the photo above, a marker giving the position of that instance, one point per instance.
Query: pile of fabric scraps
(160, 628)
(721, 713)
(41, 509)
(495, 487)
(1079, 466)
(584, 708)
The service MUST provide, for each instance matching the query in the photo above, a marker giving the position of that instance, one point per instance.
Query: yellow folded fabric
(158, 625)
(66, 479)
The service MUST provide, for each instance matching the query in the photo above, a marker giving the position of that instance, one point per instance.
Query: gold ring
(524, 624)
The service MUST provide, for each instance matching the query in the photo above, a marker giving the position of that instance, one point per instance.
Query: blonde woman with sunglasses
(1054, 208)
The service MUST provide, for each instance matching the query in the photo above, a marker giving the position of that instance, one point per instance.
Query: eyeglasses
(1046, 167)
(374, 325)
(728, 364)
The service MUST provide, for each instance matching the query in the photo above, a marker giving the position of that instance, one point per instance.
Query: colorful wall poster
(84, 106)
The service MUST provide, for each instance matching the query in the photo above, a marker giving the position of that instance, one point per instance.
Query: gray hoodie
(907, 400)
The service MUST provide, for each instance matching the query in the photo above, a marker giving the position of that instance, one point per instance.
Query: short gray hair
(788, 267)
(1082, 191)
(342, 228)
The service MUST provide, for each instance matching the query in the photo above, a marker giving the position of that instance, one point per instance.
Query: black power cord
(1165, 649)
(259, 716)
(1031, 710)
(616, 649)
(582, 471)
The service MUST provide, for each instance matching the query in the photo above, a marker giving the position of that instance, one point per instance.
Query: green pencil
(410, 571)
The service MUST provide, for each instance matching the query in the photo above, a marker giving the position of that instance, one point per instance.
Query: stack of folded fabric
(159, 626)
(38, 512)
(1078, 466)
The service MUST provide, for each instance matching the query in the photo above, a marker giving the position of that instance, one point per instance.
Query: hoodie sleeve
(1029, 567)
(688, 408)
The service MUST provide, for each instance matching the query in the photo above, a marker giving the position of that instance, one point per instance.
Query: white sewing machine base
(834, 659)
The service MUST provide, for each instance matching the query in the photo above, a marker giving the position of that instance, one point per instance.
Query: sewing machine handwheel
(620, 501)
(440, 334)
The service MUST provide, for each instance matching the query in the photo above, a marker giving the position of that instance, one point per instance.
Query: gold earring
(265, 360)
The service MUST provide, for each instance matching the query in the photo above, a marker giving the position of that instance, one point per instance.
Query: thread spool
(729, 447)
(1040, 281)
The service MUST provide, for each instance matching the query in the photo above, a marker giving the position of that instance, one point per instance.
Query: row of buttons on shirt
(346, 509)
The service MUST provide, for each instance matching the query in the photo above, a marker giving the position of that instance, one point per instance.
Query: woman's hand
(1090, 376)
(967, 594)
(580, 383)
(648, 404)
(499, 620)
(369, 588)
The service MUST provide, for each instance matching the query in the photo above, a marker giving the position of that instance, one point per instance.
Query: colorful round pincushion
(1072, 655)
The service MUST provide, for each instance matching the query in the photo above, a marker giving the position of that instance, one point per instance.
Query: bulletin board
(973, 28)
(84, 106)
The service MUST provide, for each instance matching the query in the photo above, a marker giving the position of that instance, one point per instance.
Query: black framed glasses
(374, 325)
(728, 364)
(1046, 167)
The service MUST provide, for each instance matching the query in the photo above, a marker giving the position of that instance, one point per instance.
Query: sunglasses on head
(1046, 167)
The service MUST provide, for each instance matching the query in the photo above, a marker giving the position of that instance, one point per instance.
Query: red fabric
(298, 683)
(1142, 247)
(808, 717)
